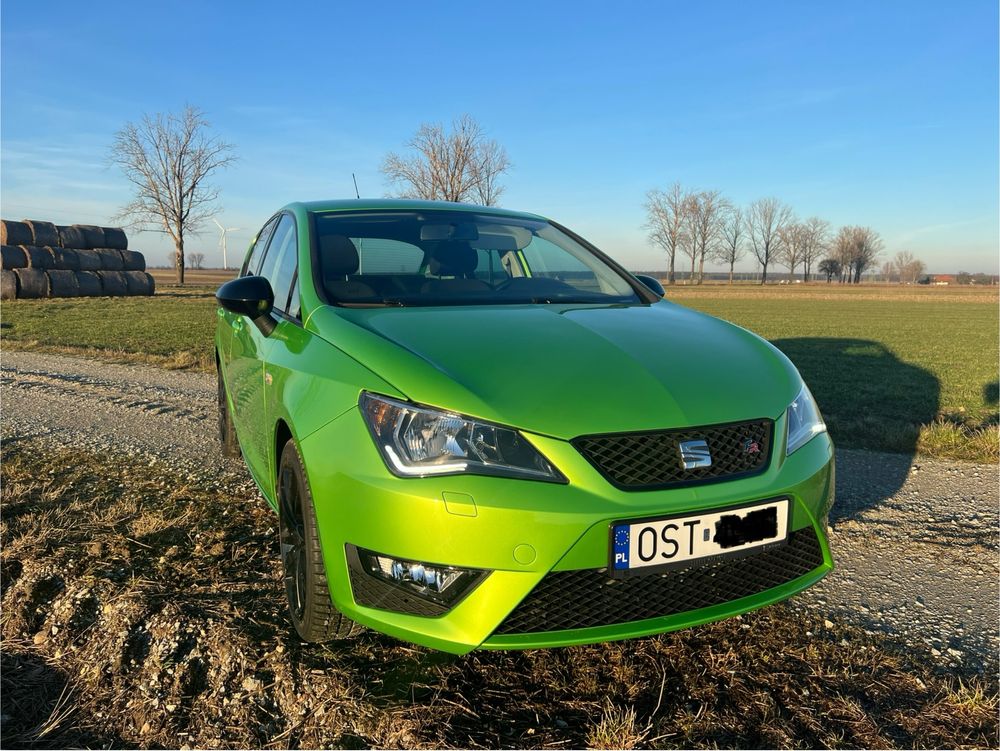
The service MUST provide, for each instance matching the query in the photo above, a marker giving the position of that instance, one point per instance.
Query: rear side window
(280, 262)
(253, 260)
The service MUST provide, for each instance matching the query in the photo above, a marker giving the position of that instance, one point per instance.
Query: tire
(309, 605)
(227, 431)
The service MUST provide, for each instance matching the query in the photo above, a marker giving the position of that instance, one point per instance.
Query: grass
(902, 369)
(174, 328)
(143, 610)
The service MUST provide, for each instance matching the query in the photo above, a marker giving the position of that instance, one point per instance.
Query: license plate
(663, 543)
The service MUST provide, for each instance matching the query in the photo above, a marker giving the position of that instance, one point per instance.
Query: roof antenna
(356, 193)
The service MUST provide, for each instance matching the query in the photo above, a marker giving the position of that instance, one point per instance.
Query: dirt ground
(142, 607)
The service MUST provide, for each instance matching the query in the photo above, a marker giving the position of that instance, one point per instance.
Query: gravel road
(916, 540)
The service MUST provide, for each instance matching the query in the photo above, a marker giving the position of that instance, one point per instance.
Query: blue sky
(876, 113)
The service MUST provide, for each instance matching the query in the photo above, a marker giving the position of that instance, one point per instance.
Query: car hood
(569, 370)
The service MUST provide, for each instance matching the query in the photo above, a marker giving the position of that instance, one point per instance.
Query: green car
(479, 431)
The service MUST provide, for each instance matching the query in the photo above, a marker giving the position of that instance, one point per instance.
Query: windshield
(457, 258)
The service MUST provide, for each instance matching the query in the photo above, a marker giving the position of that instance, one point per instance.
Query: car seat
(454, 259)
(338, 260)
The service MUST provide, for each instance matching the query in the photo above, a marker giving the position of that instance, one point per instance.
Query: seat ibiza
(480, 431)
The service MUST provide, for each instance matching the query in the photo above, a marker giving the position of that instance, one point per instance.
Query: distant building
(943, 280)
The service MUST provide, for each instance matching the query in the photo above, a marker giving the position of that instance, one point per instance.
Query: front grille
(589, 597)
(652, 460)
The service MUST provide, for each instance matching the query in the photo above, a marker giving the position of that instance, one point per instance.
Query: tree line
(692, 226)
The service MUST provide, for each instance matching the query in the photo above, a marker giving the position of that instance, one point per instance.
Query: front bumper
(524, 530)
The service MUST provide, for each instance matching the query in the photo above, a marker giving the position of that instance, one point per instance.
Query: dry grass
(145, 609)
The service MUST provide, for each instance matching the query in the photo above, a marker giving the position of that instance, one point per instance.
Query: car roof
(405, 204)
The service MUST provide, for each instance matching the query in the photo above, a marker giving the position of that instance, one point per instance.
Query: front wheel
(309, 604)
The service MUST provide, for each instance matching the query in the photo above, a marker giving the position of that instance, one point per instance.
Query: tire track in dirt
(54, 385)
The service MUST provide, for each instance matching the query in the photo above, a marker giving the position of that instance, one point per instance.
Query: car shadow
(870, 400)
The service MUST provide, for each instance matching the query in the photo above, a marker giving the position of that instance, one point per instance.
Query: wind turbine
(222, 241)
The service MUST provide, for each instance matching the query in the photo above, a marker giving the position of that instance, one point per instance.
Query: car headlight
(804, 421)
(419, 441)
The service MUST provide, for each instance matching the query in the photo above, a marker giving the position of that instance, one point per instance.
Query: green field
(895, 369)
(174, 328)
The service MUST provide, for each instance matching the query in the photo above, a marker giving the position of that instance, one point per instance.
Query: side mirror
(249, 296)
(652, 283)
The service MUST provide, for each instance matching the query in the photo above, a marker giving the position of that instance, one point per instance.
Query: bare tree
(766, 218)
(732, 238)
(843, 251)
(791, 248)
(857, 248)
(457, 165)
(867, 248)
(909, 268)
(901, 261)
(168, 158)
(666, 213)
(491, 162)
(888, 270)
(197, 260)
(705, 222)
(689, 240)
(830, 267)
(817, 243)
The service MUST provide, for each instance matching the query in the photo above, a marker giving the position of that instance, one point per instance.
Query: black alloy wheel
(309, 604)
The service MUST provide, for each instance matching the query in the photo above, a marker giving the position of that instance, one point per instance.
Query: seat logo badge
(750, 446)
(695, 454)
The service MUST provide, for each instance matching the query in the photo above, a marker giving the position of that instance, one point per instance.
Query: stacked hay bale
(41, 259)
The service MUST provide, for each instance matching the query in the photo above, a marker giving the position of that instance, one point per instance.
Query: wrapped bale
(14, 233)
(42, 233)
(88, 260)
(93, 236)
(39, 258)
(32, 283)
(133, 261)
(111, 259)
(114, 237)
(66, 258)
(8, 285)
(139, 283)
(71, 237)
(13, 257)
(89, 284)
(113, 283)
(63, 283)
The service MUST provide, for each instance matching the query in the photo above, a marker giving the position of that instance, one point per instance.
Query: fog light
(444, 584)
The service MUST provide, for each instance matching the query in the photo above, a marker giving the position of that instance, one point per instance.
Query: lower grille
(587, 598)
(372, 593)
